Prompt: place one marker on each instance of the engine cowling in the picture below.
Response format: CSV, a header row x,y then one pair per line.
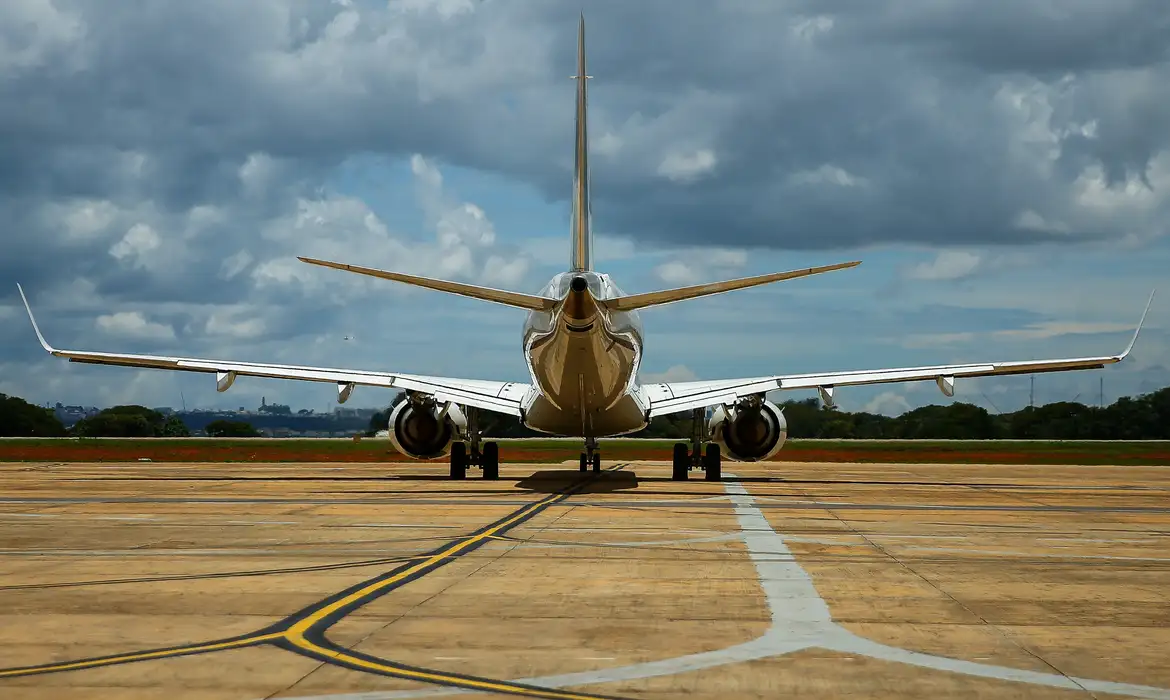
x,y
750,431
423,430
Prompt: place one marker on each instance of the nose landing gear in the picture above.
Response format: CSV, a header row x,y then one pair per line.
x,y
591,456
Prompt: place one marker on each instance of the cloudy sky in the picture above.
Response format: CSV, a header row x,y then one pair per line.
x,y
1002,169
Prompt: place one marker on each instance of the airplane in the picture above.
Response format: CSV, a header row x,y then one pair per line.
x,y
583,346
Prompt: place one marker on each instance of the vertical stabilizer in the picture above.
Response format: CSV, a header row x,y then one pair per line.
x,y
582,231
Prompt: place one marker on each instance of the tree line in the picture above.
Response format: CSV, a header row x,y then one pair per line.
x,y
19,418
1146,417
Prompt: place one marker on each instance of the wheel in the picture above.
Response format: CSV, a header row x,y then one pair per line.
x,y
490,460
596,461
584,462
458,460
682,462
712,463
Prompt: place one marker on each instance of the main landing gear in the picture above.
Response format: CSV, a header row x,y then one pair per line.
x,y
591,456
464,455
710,461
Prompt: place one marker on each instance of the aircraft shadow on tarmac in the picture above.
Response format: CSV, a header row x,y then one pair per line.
x,y
558,480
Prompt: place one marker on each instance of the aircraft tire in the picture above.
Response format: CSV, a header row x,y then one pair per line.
x,y
681,462
458,461
490,460
584,462
712,463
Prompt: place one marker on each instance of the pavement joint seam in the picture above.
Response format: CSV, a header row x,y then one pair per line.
x,y
304,632
800,620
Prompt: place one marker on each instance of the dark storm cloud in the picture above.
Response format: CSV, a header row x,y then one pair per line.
x,y
1048,38
828,124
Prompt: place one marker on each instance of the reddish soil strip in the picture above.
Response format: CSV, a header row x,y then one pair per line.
x,y
379,451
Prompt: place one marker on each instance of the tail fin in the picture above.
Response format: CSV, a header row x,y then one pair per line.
x,y
580,226
515,299
668,296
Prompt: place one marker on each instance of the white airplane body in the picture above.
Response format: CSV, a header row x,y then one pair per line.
x,y
583,346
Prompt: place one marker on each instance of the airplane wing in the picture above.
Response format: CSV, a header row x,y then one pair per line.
x,y
675,397
501,397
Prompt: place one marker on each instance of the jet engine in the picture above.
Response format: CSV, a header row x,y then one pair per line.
x,y
424,429
751,430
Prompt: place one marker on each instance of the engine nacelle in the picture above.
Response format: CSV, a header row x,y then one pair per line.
x,y
752,430
425,429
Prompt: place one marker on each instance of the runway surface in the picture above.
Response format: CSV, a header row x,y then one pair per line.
x,y
377,581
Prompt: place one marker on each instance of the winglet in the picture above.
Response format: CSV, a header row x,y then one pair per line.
x,y
1139,326
40,337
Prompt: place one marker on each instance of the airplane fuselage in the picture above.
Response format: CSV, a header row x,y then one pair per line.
x,y
583,359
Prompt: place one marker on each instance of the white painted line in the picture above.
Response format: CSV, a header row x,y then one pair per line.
x,y
800,620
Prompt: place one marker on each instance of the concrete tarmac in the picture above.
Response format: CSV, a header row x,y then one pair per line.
x,y
380,581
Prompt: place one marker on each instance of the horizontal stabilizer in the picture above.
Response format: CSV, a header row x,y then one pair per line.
x,y
668,296
499,296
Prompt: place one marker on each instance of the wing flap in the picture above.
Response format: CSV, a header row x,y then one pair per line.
x,y
681,396
501,397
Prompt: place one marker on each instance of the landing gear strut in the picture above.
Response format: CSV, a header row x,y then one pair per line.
x,y
486,456
591,456
710,462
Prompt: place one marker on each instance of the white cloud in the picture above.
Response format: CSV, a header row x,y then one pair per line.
x,y
725,257
1026,106
677,272
888,403
1092,191
235,264
343,228
947,265
935,340
675,373
286,270
685,167
607,145
132,324
809,27
827,174
257,173
695,265
32,31
1029,220
502,272
225,323
1052,329
444,8
135,246
84,218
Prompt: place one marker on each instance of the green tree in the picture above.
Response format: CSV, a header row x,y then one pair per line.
x,y
19,418
958,421
806,419
231,429
130,421
173,426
